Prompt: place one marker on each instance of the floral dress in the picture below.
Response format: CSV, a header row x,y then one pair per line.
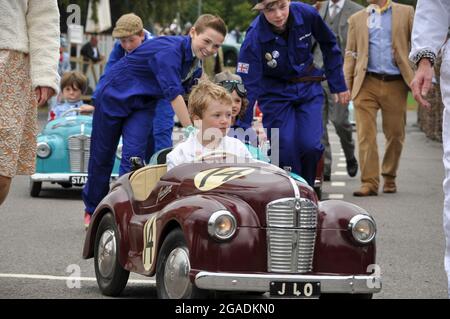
x,y
18,115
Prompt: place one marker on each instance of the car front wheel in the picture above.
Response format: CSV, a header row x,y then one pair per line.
x,y
111,277
172,270
35,188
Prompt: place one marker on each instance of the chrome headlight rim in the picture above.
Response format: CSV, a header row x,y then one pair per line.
x,y
212,225
352,228
119,151
43,150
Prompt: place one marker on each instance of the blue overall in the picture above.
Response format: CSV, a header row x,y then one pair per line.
x,y
163,123
269,66
125,103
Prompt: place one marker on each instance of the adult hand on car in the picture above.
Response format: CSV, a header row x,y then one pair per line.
x,y
43,93
422,82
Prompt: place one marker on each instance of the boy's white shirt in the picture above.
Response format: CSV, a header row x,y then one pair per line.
x,y
191,149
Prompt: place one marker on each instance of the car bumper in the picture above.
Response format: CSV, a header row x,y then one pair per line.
x,y
61,177
351,284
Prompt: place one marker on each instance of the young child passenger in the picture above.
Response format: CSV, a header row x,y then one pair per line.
x,y
210,108
127,95
73,84
233,84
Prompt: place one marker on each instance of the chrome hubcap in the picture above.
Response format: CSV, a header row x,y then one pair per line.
x,y
107,253
176,274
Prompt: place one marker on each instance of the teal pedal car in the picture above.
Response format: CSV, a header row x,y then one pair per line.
x,y
63,149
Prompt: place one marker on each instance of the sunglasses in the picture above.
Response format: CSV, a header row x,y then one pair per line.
x,y
232,85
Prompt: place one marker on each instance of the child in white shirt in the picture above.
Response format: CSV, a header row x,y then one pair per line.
x,y
210,108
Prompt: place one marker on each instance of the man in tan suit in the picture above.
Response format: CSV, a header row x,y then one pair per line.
x,y
377,71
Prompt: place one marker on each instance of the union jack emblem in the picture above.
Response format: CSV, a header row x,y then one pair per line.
x,y
242,67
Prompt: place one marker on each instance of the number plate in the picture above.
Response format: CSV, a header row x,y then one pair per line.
x,y
78,180
295,289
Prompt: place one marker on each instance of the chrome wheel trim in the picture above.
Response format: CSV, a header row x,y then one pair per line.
x,y
176,274
107,253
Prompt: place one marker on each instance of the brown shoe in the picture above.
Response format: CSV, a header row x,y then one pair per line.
x,y
389,187
365,191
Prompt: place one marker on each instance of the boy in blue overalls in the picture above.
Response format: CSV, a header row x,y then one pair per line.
x,y
130,32
276,65
127,94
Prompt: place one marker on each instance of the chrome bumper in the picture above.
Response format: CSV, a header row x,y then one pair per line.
x,y
60,177
363,284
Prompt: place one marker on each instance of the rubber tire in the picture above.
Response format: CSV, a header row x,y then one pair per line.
x,y
318,191
174,240
110,286
35,188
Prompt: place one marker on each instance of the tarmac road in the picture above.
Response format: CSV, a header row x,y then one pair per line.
x,y
42,238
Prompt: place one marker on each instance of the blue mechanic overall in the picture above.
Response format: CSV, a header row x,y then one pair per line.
x,y
126,98
161,135
278,72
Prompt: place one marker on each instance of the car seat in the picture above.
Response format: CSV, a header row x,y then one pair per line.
x,y
145,179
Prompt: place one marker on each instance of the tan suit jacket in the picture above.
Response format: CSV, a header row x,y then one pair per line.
x,y
357,50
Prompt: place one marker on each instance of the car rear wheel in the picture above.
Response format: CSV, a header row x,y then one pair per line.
x,y
35,188
172,270
111,277
318,190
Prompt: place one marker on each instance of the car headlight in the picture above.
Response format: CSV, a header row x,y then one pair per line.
x,y
222,225
119,151
363,228
43,150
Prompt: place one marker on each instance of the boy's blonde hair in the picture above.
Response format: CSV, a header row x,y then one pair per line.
x,y
206,21
203,94
74,79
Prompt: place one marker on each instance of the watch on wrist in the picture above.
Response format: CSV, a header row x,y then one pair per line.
x,y
424,54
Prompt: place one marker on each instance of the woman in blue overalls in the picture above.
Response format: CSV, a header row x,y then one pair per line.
x,y
276,65
126,97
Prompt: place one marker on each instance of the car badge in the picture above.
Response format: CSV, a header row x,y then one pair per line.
x,y
276,54
213,178
268,56
272,64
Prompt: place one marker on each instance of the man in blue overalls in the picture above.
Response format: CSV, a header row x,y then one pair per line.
x,y
163,68
130,32
276,65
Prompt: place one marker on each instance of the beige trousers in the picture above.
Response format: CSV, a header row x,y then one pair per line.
x,y
390,97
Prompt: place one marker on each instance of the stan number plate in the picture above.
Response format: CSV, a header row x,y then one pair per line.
x,y
78,180
294,289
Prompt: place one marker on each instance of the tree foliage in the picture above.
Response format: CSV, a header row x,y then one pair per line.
x,y
236,13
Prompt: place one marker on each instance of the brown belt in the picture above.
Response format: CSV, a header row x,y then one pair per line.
x,y
308,78
385,77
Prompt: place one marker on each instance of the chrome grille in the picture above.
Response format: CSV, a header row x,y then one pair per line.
x,y
291,234
79,146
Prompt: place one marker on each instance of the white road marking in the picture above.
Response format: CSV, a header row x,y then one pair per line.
x,y
339,173
336,196
338,184
342,159
341,165
50,277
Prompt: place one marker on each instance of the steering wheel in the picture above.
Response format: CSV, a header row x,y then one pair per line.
x,y
77,110
216,155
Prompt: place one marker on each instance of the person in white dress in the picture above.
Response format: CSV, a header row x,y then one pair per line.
x,y
210,108
429,37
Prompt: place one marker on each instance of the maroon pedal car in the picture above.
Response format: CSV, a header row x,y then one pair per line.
x,y
220,226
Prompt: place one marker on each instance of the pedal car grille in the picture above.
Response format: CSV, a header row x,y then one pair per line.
x,y
79,146
291,234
